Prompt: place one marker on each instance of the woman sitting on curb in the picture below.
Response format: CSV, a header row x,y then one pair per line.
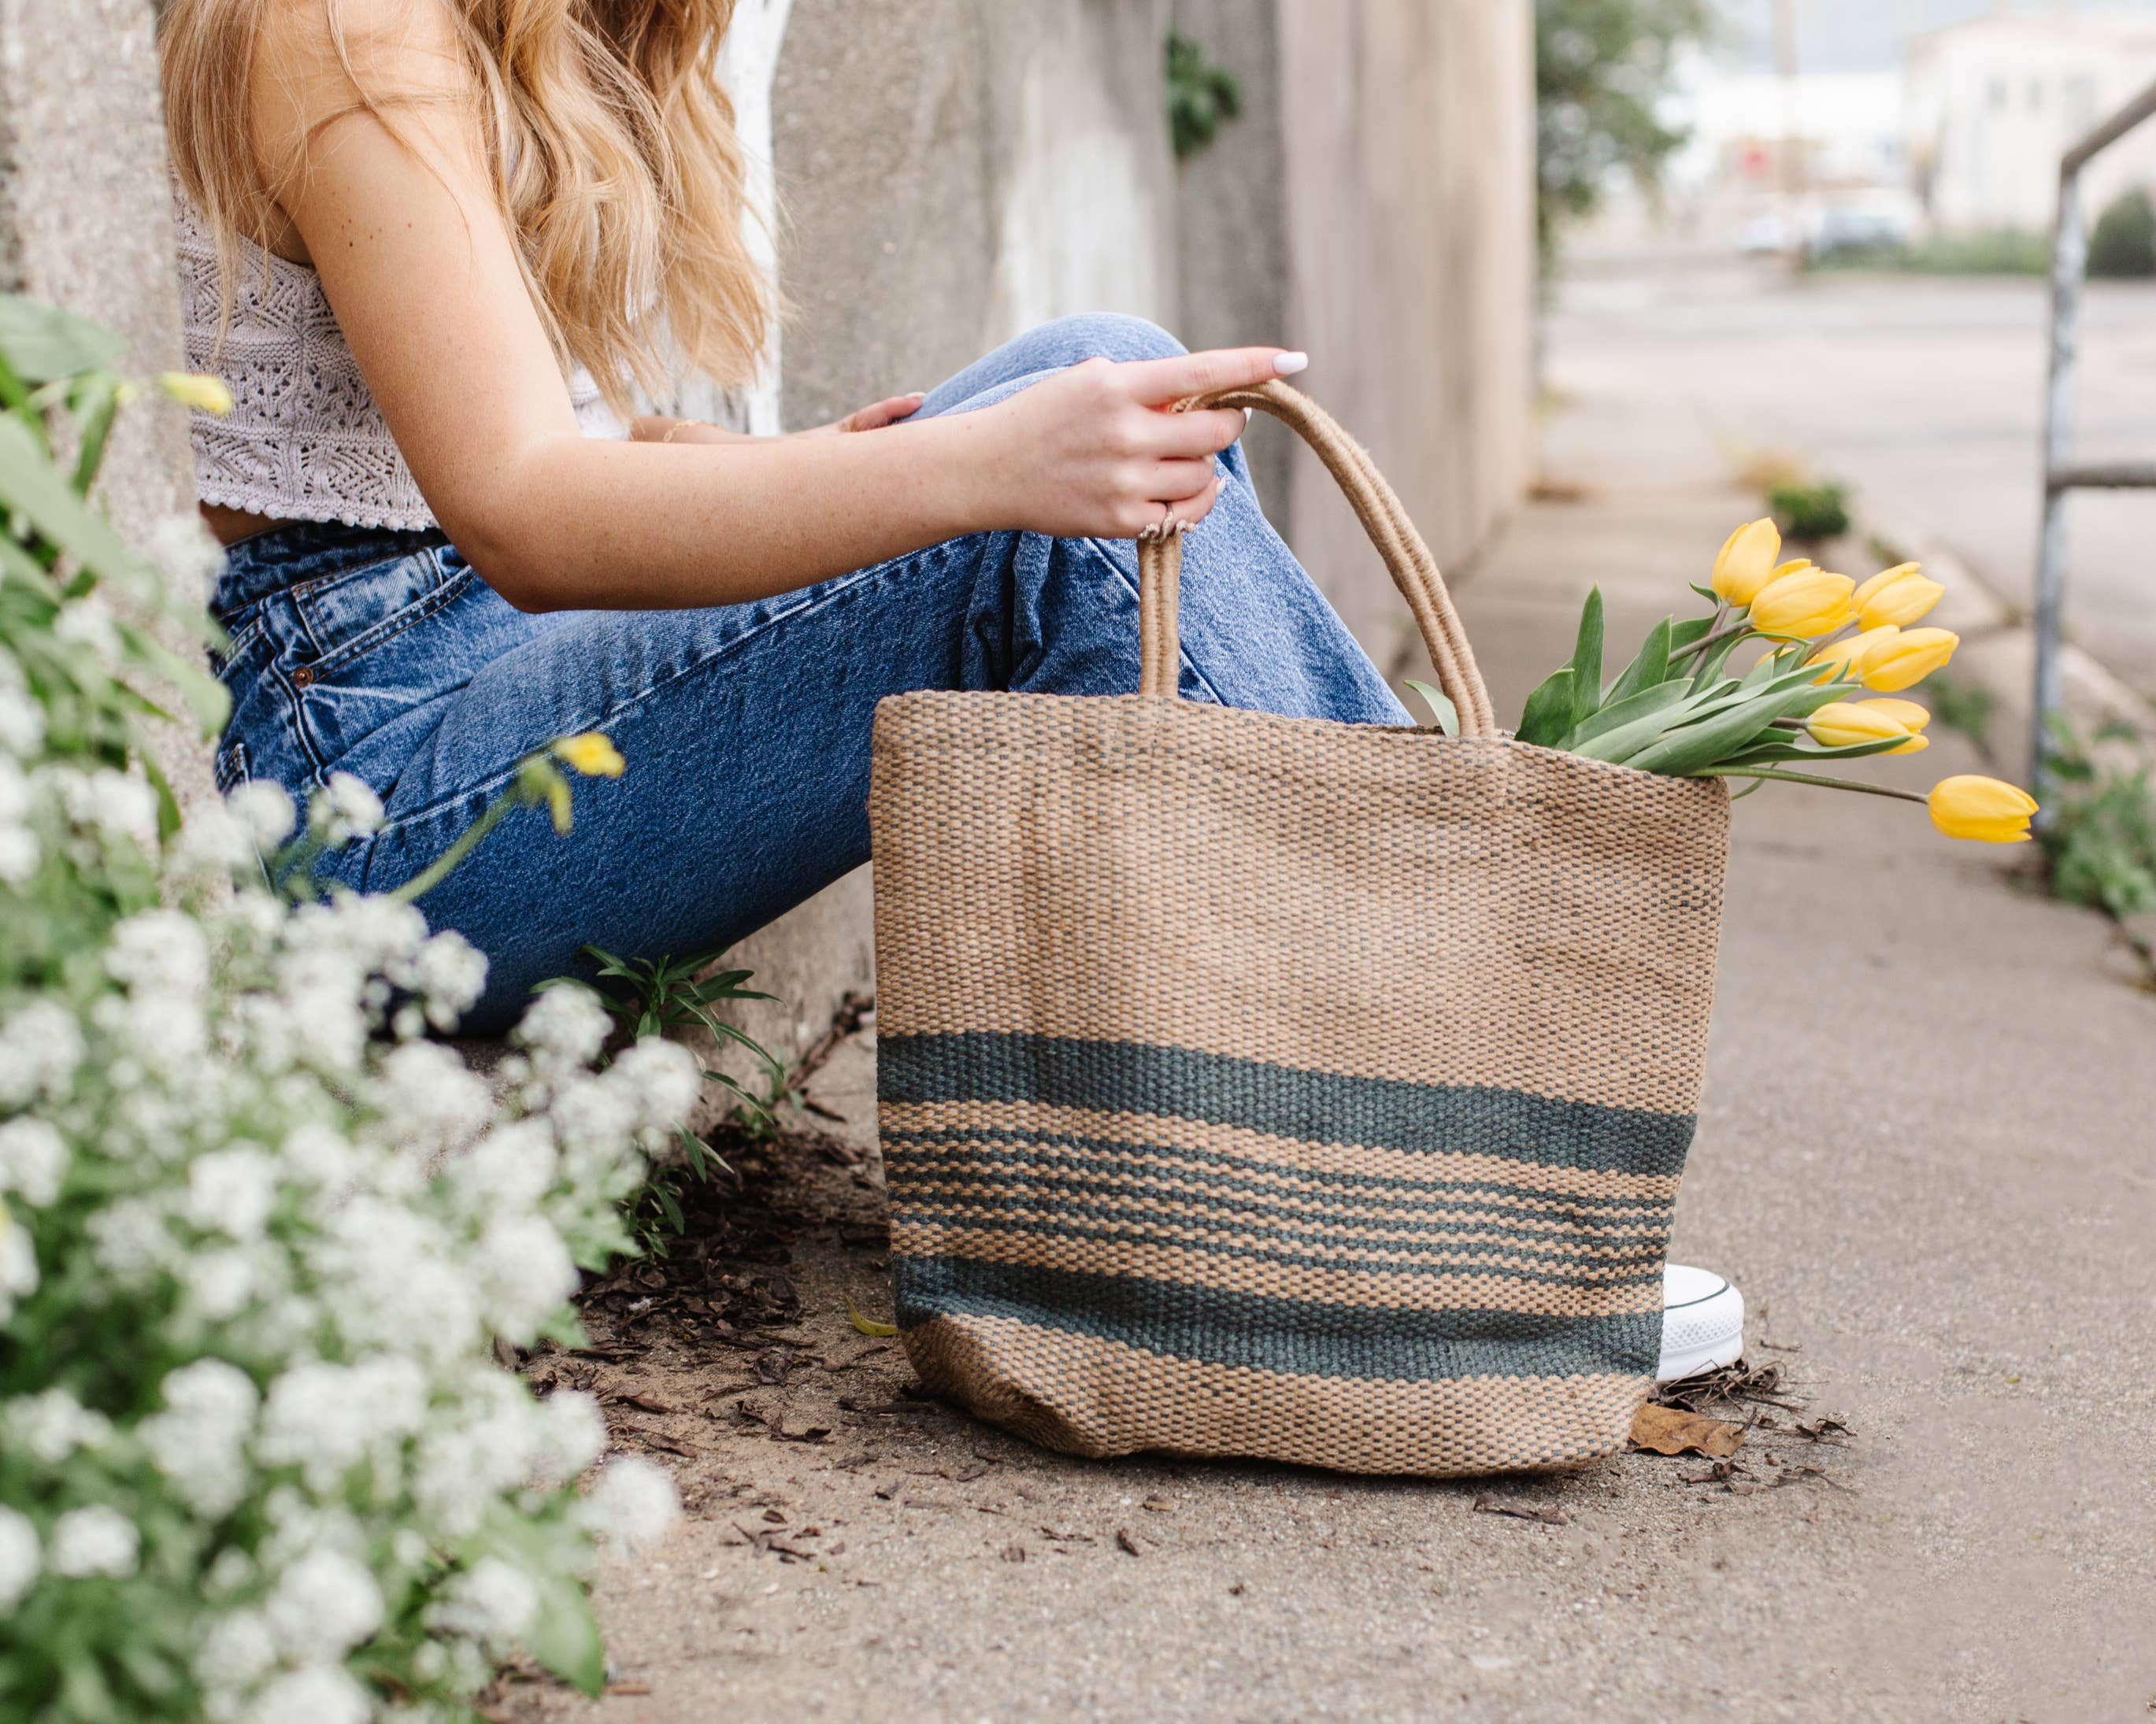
x,y
431,245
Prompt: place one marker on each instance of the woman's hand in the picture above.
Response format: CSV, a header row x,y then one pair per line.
x,y
1099,452
888,412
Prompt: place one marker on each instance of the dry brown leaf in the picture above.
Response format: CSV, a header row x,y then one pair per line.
x,y
1667,1430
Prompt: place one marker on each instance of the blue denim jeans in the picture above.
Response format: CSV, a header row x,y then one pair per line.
x,y
746,726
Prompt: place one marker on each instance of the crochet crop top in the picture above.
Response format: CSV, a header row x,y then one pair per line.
x,y
303,440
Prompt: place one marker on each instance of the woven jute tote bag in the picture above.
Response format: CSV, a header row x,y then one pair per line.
x,y
1270,1087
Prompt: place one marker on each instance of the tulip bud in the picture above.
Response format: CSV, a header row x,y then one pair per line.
x,y
592,753
1912,655
1847,660
1747,561
1982,809
192,389
1900,596
1804,604
1842,724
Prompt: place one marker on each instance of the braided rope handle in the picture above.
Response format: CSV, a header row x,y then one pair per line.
x,y
1407,559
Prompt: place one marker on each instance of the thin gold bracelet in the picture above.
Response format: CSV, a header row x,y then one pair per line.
x,y
676,429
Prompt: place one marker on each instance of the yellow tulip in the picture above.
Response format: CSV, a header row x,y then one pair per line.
x,y
592,754
1847,660
1982,809
1900,596
1907,714
1842,724
1747,561
1912,655
193,389
1809,602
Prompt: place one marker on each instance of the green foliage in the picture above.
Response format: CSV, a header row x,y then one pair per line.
x,y
2099,842
1810,512
256,1457
666,997
1200,95
1675,709
1601,66
2123,245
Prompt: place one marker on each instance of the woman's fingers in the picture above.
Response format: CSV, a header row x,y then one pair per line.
x,y
1188,511
887,412
1176,481
1204,431
1161,382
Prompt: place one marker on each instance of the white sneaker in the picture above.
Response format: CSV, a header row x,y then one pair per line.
x,y
1702,1323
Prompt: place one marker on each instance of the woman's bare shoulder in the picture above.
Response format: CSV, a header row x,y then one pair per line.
x,y
317,61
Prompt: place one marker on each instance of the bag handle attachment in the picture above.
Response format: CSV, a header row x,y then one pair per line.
x,y
1406,557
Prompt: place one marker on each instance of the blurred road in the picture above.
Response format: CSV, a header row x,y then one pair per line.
x,y
1925,392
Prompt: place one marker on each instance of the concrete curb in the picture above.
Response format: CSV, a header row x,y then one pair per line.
x,y
1999,650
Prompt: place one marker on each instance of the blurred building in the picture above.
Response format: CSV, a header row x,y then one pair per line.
x,y
1994,103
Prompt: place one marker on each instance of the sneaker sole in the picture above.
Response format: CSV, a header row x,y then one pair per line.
x,y
1703,1335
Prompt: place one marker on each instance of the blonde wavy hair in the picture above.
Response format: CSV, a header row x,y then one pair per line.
x,y
614,157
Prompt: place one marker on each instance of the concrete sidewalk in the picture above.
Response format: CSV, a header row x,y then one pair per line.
x,y
1925,1153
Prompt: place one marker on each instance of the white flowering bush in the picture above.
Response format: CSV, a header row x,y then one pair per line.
x,y
258,1233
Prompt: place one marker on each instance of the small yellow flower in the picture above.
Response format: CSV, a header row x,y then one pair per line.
x,y
1841,724
592,753
1747,561
1901,595
1905,661
558,805
1982,809
1847,660
1907,714
1807,603
194,389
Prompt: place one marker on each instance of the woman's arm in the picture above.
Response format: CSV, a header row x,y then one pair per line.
x,y
424,277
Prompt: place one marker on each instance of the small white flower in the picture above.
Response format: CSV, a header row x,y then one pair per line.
x,y
129,1240
88,622
19,1557
159,952
264,811
93,1540
22,722
236,1653
507,1172
218,1284
231,1192
182,550
40,1047
320,1694
19,855
569,1434
448,973
199,1440
355,810
634,1505
229,1570
323,1605
50,1426
213,845
18,1265
567,1025
32,1157
113,804
429,1099
494,1602
526,1275
327,1419
663,1078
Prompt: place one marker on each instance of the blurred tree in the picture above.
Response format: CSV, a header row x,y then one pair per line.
x,y
2124,242
1600,67
1200,94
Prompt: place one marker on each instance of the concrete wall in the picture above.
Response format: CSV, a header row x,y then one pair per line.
x,y
954,172
1407,233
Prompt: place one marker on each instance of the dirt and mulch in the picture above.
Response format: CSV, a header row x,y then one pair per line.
x,y
817,1475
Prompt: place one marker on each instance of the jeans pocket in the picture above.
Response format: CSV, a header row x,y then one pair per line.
x,y
345,616
231,768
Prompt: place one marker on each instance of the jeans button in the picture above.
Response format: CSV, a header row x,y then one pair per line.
x,y
304,677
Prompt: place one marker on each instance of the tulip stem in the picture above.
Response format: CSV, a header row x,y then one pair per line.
x,y
1809,778
1714,637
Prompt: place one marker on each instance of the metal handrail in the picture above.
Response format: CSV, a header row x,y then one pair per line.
x,y
2062,474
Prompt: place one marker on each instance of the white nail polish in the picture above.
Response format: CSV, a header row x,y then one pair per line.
x,y
1287,365
1247,412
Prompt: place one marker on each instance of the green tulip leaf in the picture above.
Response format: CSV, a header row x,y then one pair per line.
x,y
1690,630
1587,660
1440,705
1650,667
564,1636
1549,717
1711,740
1630,723
43,343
